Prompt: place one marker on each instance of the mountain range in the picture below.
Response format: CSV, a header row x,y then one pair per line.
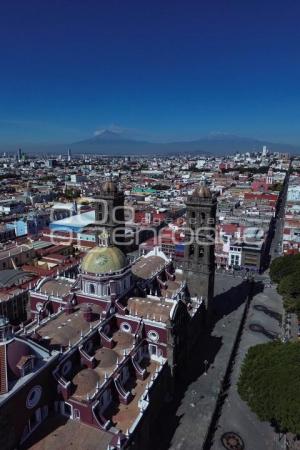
x,y
112,143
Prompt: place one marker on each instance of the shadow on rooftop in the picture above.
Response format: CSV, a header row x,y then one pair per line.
x,y
51,424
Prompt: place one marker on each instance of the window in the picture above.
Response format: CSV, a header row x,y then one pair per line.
x,y
88,346
125,327
33,397
66,368
76,414
153,335
200,252
92,289
152,349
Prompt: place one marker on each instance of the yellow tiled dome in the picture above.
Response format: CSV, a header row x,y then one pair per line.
x,y
103,260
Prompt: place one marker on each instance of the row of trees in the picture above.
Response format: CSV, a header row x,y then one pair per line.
x,y
285,271
270,375
270,383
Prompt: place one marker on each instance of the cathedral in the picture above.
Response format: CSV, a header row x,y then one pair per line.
x,y
104,350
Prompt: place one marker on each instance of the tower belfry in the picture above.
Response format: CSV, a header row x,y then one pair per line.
x,y
199,252
109,214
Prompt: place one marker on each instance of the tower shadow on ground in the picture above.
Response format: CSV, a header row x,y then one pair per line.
x,y
206,349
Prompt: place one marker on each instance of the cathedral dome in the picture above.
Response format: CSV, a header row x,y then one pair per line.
x,y
202,192
104,260
109,187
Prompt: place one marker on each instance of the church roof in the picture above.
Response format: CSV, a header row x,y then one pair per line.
x,y
104,260
11,277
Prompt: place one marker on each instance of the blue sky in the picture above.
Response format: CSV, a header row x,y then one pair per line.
x,y
159,70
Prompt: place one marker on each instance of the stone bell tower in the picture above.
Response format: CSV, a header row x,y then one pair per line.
x,y
109,215
199,253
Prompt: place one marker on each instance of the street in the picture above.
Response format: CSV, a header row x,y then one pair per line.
x,y
211,406
263,324
276,245
197,405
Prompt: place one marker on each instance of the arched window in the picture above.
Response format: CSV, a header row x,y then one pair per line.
x,y
92,289
100,212
200,252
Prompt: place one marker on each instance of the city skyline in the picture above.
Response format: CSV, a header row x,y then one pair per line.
x,y
159,72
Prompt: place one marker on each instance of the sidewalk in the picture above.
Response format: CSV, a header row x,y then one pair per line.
x,y
265,311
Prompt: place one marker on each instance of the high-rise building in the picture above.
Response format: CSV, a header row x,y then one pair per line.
x,y
264,151
69,154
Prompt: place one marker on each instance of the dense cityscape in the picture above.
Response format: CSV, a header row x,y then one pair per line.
x,y
149,225
115,274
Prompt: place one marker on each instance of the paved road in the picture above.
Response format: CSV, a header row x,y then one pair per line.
x,y
193,416
195,409
276,246
265,313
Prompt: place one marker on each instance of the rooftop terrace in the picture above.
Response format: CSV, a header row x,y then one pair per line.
x,y
57,432
67,328
150,307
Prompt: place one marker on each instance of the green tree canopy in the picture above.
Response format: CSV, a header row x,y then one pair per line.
x,y
290,285
284,265
276,187
270,383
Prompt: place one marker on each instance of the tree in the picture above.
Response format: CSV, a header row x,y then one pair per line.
x,y
284,265
285,270
270,383
276,187
289,285
292,305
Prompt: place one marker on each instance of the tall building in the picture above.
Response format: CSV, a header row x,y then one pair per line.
x,y
264,151
270,178
69,154
199,258
109,214
19,154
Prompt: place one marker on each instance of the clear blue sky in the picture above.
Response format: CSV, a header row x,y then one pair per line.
x,y
160,69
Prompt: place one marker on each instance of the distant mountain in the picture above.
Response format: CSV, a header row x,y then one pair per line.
x,y
105,135
111,143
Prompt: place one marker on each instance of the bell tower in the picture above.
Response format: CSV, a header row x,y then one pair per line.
x,y
199,251
109,215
